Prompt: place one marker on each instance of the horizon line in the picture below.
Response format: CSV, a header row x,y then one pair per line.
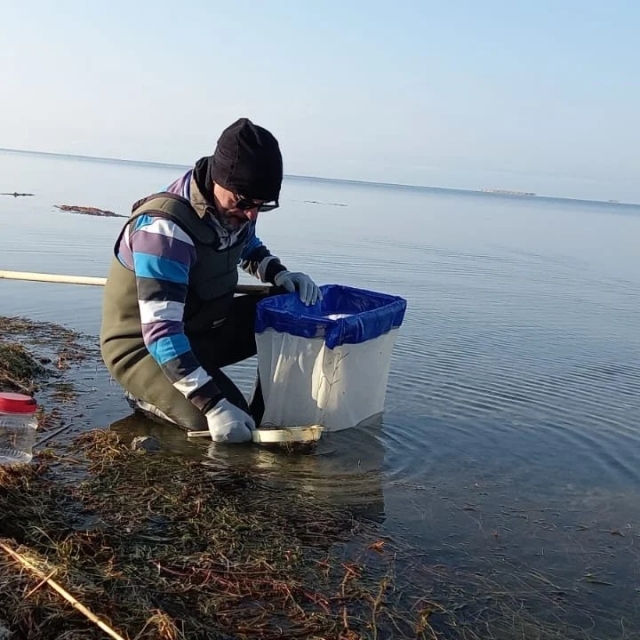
x,y
484,191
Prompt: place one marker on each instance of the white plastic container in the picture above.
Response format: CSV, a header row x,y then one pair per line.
x,y
327,364
18,425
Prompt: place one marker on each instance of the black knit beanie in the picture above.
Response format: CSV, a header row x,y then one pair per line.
x,y
247,161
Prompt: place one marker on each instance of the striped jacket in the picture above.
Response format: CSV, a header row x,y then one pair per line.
x,y
161,255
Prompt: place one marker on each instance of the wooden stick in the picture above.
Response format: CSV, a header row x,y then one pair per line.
x,y
96,281
43,581
51,277
48,436
65,594
253,288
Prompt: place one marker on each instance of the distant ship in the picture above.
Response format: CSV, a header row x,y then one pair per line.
x,y
509,193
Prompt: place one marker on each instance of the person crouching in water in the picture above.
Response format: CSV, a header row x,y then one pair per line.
x,y
170,320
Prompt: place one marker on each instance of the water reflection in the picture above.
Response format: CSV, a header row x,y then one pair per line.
x,y
344,468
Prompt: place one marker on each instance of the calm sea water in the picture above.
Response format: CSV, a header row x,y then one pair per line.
x,y
511,436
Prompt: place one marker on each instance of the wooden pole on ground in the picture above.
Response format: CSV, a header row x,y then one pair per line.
x,y
63,592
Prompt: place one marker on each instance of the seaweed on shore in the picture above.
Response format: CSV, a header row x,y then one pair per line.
x,y
28,346
162,548
165,549
34,356
19,371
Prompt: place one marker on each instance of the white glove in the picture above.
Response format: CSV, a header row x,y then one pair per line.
x,y
308,289
228,423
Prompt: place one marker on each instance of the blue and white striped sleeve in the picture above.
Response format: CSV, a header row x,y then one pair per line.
x,y
257,260
161,255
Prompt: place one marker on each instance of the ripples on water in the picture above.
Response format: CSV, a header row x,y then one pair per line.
x,y
510,434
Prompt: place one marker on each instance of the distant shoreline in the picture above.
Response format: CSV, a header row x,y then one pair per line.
x,y
508,192
504,193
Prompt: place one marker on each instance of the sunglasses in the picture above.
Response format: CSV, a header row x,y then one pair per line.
x,y
246,203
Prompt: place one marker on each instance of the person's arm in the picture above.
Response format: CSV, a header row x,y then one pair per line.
x,y
162,255
257,260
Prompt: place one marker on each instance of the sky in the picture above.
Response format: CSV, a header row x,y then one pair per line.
x,y
537,96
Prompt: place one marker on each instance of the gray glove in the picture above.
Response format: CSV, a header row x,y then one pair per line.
x,y
301,282
228,423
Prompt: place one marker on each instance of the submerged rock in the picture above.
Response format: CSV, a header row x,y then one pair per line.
x,y
89,211
146,443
